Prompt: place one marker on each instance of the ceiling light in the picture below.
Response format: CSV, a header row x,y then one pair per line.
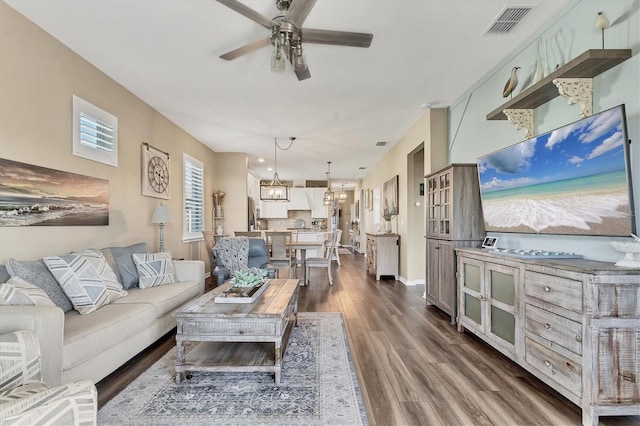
x,y
342,196
276,190
328,194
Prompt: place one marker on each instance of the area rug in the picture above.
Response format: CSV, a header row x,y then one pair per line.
x,y
319,387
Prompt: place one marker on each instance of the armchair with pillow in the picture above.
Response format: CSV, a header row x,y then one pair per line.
x,y
26,399
235,254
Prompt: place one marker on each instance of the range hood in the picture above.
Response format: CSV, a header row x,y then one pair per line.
x,y
298,200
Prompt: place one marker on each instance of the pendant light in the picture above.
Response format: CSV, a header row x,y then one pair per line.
x,y
328,194
342,196
276,190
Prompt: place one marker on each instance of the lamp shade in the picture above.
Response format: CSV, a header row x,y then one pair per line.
x,y
161,214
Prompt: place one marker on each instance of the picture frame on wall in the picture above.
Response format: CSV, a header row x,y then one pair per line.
x,y
39,196
156,169
390,196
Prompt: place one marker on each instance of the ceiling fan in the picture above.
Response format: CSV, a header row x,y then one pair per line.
x,y
286,35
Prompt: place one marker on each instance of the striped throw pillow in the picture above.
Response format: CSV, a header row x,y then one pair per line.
x,y
17,291
154,269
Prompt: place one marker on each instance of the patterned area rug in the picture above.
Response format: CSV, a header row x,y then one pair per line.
x,y
319,387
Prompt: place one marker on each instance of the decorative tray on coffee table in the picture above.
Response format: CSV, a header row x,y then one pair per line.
x,y
242,294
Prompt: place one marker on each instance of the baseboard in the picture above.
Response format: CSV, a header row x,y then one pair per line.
x,y
410,283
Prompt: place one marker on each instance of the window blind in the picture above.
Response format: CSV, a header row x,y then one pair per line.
x,y
193,198
95,133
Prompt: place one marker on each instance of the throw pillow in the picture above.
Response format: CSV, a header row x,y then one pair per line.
x,y
126,267
17,291
4,274
154,269
36,272
111,261
86,279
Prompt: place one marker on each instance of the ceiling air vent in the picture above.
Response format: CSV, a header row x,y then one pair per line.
x,y
381,143
507,19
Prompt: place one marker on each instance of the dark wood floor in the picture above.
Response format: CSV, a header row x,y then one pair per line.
x,y
414,368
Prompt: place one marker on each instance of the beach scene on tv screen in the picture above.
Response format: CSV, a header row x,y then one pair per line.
x,y
572,180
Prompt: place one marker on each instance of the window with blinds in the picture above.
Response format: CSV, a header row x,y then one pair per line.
x,y
193,198
95,133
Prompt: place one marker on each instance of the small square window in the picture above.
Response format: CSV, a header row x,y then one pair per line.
x,y
95,133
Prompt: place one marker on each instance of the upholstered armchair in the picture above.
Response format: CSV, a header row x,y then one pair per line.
x,y
235,254
26,400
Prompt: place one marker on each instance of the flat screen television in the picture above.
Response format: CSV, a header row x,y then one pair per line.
x,y
574,180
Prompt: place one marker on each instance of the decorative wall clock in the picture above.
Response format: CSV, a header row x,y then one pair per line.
x,y
155,172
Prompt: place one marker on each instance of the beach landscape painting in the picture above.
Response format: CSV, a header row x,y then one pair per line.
x,y
574,180
37,196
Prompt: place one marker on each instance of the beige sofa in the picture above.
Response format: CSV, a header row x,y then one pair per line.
x,y
92,346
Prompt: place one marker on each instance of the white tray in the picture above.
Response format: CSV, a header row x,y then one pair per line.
x,y
223,299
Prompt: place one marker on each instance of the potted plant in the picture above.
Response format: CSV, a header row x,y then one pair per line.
x,y
246,283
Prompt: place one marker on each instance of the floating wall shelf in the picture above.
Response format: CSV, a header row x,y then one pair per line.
x,y
591,63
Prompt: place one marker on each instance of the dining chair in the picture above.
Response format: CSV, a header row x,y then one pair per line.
x,y
209,242
251,234
335,255
281,254
325,261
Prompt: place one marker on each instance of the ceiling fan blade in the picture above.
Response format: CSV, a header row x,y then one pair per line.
x,y
339,38
247,48
248,12
303,74
298,12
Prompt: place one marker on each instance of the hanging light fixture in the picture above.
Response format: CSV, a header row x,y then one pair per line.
x,y
328,194
276,190
342,196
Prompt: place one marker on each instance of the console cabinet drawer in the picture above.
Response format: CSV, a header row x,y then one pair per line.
x,y
555,290
557,367
555,328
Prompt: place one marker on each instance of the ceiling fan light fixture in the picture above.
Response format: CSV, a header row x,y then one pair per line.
x,y
298,61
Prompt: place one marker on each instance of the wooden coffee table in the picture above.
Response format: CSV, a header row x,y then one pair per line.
x,y
237,337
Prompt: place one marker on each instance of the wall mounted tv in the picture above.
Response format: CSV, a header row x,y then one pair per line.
x,y
574,180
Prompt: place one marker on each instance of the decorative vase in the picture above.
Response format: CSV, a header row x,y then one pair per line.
x,y
387,227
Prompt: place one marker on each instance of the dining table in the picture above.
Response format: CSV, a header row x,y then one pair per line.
x,y
303,246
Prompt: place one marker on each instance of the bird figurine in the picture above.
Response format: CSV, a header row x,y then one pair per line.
x,y
602,23
512,83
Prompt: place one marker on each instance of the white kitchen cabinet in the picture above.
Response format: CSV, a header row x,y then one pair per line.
x,y
315,196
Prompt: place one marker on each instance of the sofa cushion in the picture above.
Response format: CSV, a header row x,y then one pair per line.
x,y
37,273
126,268
164,298
85,336
17,291
86,279
154,269
4,274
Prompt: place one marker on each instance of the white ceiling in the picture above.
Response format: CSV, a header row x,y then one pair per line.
x,y
166,52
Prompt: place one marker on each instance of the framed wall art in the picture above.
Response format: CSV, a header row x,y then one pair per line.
x,y
390,196
155,172
38,196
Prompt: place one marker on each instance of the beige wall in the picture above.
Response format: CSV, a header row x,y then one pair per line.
x,y
38,76
431,130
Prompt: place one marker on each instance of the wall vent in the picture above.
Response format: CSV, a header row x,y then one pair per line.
x,y
507,19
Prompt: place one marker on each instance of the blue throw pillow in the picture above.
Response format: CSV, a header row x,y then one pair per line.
x,y
37,273
126,268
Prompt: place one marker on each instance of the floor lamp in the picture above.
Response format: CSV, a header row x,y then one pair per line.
x,y
161,215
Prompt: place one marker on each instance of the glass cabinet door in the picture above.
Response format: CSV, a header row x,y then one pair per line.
x,y
471,295
501,288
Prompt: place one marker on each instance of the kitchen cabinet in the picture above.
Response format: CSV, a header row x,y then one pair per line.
x,y
383,254
454,219
572,323
318,209
253,187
